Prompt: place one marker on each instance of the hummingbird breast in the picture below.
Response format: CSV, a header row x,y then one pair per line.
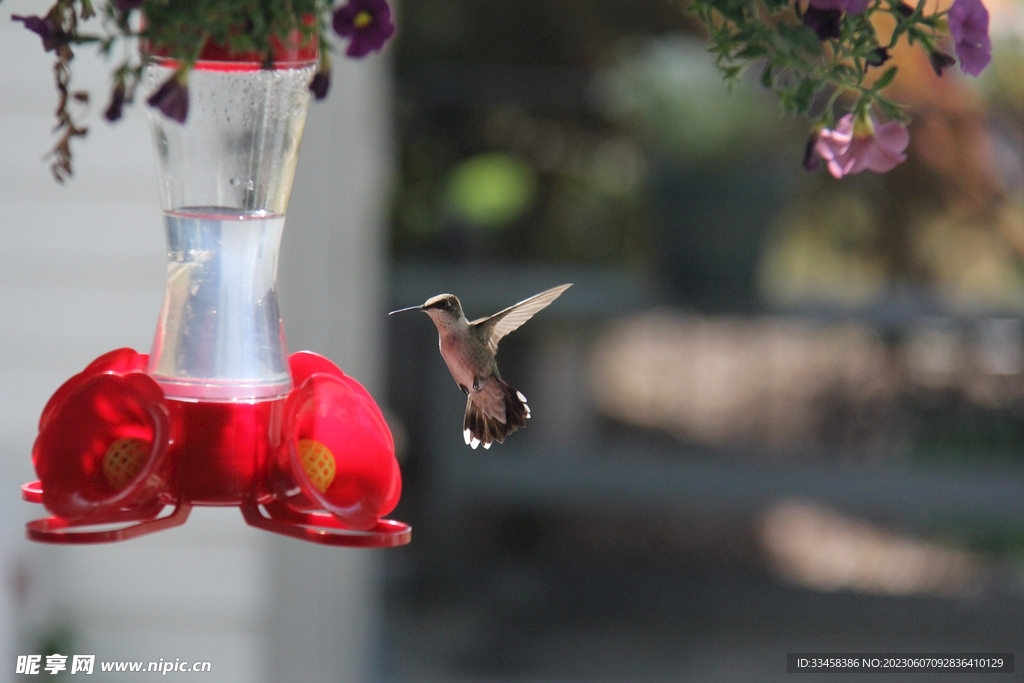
x,y
467,359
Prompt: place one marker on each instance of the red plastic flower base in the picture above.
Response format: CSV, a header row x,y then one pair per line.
x,y
114,454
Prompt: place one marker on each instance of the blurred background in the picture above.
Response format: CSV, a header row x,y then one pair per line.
x,y
776,412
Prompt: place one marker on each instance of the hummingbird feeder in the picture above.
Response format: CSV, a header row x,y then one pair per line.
x,y
218,413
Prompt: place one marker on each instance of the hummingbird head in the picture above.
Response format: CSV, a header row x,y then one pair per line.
x,y
444,309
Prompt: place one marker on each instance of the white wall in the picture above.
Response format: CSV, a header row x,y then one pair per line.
x,y
82,272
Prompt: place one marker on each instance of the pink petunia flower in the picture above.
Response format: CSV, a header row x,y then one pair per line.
x,y
862,146
968,24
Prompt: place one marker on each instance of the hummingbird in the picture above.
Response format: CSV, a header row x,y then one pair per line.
x,y
494,409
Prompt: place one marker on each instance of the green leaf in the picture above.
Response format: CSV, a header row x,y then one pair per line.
x,y
731,72
891,109
803,96
766,76
800,37
786,100
842,72
883,82
752,51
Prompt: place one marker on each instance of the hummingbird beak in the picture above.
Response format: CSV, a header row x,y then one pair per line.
x,y
403,310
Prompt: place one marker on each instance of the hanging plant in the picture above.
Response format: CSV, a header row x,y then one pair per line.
x,y
828,60
183,30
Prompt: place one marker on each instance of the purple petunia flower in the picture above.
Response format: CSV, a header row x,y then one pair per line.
x,y
824,22
968,24
811,161
320,84
367,23
116,107
861,146
42,27
126,6
940,61
847,6
878,57
172,98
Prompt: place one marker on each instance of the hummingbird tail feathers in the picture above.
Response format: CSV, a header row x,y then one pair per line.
x,y
481,428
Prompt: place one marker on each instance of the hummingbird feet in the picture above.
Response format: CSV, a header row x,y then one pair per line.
x,y
481,427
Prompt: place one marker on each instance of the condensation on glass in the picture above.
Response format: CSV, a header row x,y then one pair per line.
x,y
226,175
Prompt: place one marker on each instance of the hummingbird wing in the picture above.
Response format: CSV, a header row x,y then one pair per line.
x,y
490,330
